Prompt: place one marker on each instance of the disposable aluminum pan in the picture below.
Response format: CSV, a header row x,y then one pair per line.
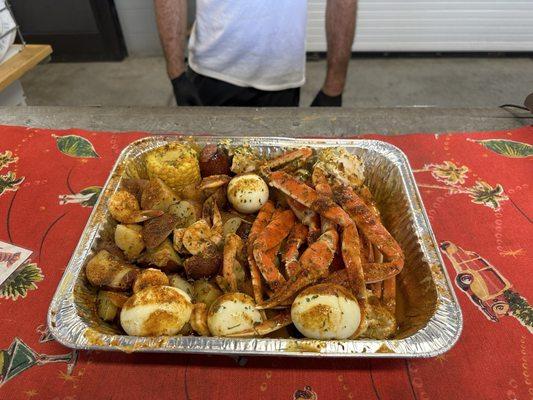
x,y
428,313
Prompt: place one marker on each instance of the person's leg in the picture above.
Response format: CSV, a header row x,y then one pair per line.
x,y
279,98
214,92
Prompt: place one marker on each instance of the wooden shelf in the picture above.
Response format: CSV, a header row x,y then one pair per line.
x,y
22,62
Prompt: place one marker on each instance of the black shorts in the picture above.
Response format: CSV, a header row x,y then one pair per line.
x,y
214,92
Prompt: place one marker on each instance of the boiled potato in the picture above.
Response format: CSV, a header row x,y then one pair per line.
x,y
106,270
326,311
157,196
129,239
156,310
192,192
231,313
149,277
247,193
108,304
205,292
163,257
178,282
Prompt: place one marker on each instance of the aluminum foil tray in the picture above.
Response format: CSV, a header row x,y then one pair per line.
x,y
428,313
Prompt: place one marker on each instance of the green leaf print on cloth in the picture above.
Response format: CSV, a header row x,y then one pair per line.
x,y
9,182
7,158
507,148
75,146
520,308
18,284
483,193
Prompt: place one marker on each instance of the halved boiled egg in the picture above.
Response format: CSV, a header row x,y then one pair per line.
x,y
156,310
326,311
231,313
247,193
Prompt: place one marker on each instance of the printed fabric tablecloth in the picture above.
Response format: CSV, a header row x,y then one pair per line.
x,y
477,190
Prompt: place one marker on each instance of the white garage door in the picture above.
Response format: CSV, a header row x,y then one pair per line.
x,y
433,25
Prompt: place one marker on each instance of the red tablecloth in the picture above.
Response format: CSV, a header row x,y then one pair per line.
x,y
477,192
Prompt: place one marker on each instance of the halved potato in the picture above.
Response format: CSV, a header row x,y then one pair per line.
x,y
163,257
128,238
181,283
106,270
149,277
205,292
193,193
109,303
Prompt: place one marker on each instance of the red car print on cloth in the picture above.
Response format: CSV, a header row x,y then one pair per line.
x,y
486,286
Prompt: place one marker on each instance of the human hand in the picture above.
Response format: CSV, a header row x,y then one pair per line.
x,y
185,92
323,100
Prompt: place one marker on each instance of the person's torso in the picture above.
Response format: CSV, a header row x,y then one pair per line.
x,y
257,43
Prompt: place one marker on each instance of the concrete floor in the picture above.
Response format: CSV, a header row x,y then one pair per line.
x,y
372,82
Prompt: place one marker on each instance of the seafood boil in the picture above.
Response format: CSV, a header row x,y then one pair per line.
x,y
219,241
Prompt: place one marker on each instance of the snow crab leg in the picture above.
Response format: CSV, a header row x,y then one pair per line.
x,y
307,217
323,188
292,155
351,254
261,221
232,248
290,255
376,233
340,277
314,264
309,197
388,296
375,255
271,236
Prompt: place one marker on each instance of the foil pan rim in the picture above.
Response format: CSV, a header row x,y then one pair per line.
x,y
439,335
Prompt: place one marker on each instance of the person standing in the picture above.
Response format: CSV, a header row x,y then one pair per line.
x,y
251,52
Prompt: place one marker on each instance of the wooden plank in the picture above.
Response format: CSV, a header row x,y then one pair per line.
x,y
19,64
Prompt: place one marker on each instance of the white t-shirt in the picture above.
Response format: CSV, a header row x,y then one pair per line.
x,y
250,43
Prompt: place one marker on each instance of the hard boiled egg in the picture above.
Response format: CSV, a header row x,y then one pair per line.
x,y
247,193
156,310
231,313
326,311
